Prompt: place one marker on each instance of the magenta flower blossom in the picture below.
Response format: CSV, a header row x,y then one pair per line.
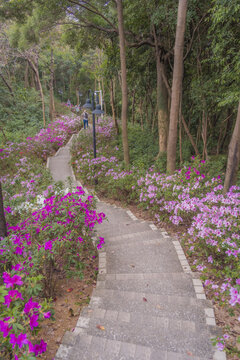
x,y
38,348
34,321
31,305
10,281
48,245
20,340
11,296
5,328
47,315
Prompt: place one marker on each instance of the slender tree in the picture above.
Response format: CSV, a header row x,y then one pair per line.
x,y
233,155
51,91
176,86
3,227
124,81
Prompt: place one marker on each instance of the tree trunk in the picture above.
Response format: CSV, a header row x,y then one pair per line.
x,y
112,100
26,81
35,69
103,97
77,95
7,85
141,113
124,82
133,107
233,155
51,105
190,136
162,100
176,86
3,226
204,135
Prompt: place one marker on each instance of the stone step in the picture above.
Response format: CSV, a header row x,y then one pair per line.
x,y
125,239
171,306
149,256
156,332
153,324
123,227
179,284
89,347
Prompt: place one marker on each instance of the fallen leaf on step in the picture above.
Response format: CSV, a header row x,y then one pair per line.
x,y
100,327
144,299
189,353
158,306
132,265
70,290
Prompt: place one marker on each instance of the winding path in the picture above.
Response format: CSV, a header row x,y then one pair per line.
x,y
147,304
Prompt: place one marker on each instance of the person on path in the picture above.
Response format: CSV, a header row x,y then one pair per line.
x,y
68,103
85,120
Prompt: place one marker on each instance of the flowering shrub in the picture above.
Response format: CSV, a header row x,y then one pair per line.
x,y
51,239
23,171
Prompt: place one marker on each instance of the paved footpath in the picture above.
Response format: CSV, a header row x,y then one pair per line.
x,y
147,304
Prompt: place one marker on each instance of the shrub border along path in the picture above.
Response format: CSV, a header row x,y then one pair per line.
x,y
92,337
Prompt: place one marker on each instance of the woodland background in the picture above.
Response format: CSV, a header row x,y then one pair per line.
x,y
52,51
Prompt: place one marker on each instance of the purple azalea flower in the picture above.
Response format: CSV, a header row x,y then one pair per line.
x,y
20,340
38,348
5,328
11,296
10,281
34,321
31,305
48,245
47,315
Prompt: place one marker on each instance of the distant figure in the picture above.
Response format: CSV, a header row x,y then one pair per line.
x,y
77,109
85,120
68,103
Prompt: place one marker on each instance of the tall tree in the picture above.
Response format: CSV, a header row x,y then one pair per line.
x,y
124,81
233,155
3,227
176,86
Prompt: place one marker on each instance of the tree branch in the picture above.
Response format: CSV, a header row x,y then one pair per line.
x,y
93,10
192,38
7,84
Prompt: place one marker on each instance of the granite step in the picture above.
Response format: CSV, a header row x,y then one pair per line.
x,y
179,284
151,256
90,347
159,333
171,306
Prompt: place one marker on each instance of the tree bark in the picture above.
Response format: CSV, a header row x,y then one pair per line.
x,y
103,96
233,156
112,100
177,86
3,226
124,82
133,106
77,96
26,81
51,105
204,135
35,69
190,136
162,101
7,85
